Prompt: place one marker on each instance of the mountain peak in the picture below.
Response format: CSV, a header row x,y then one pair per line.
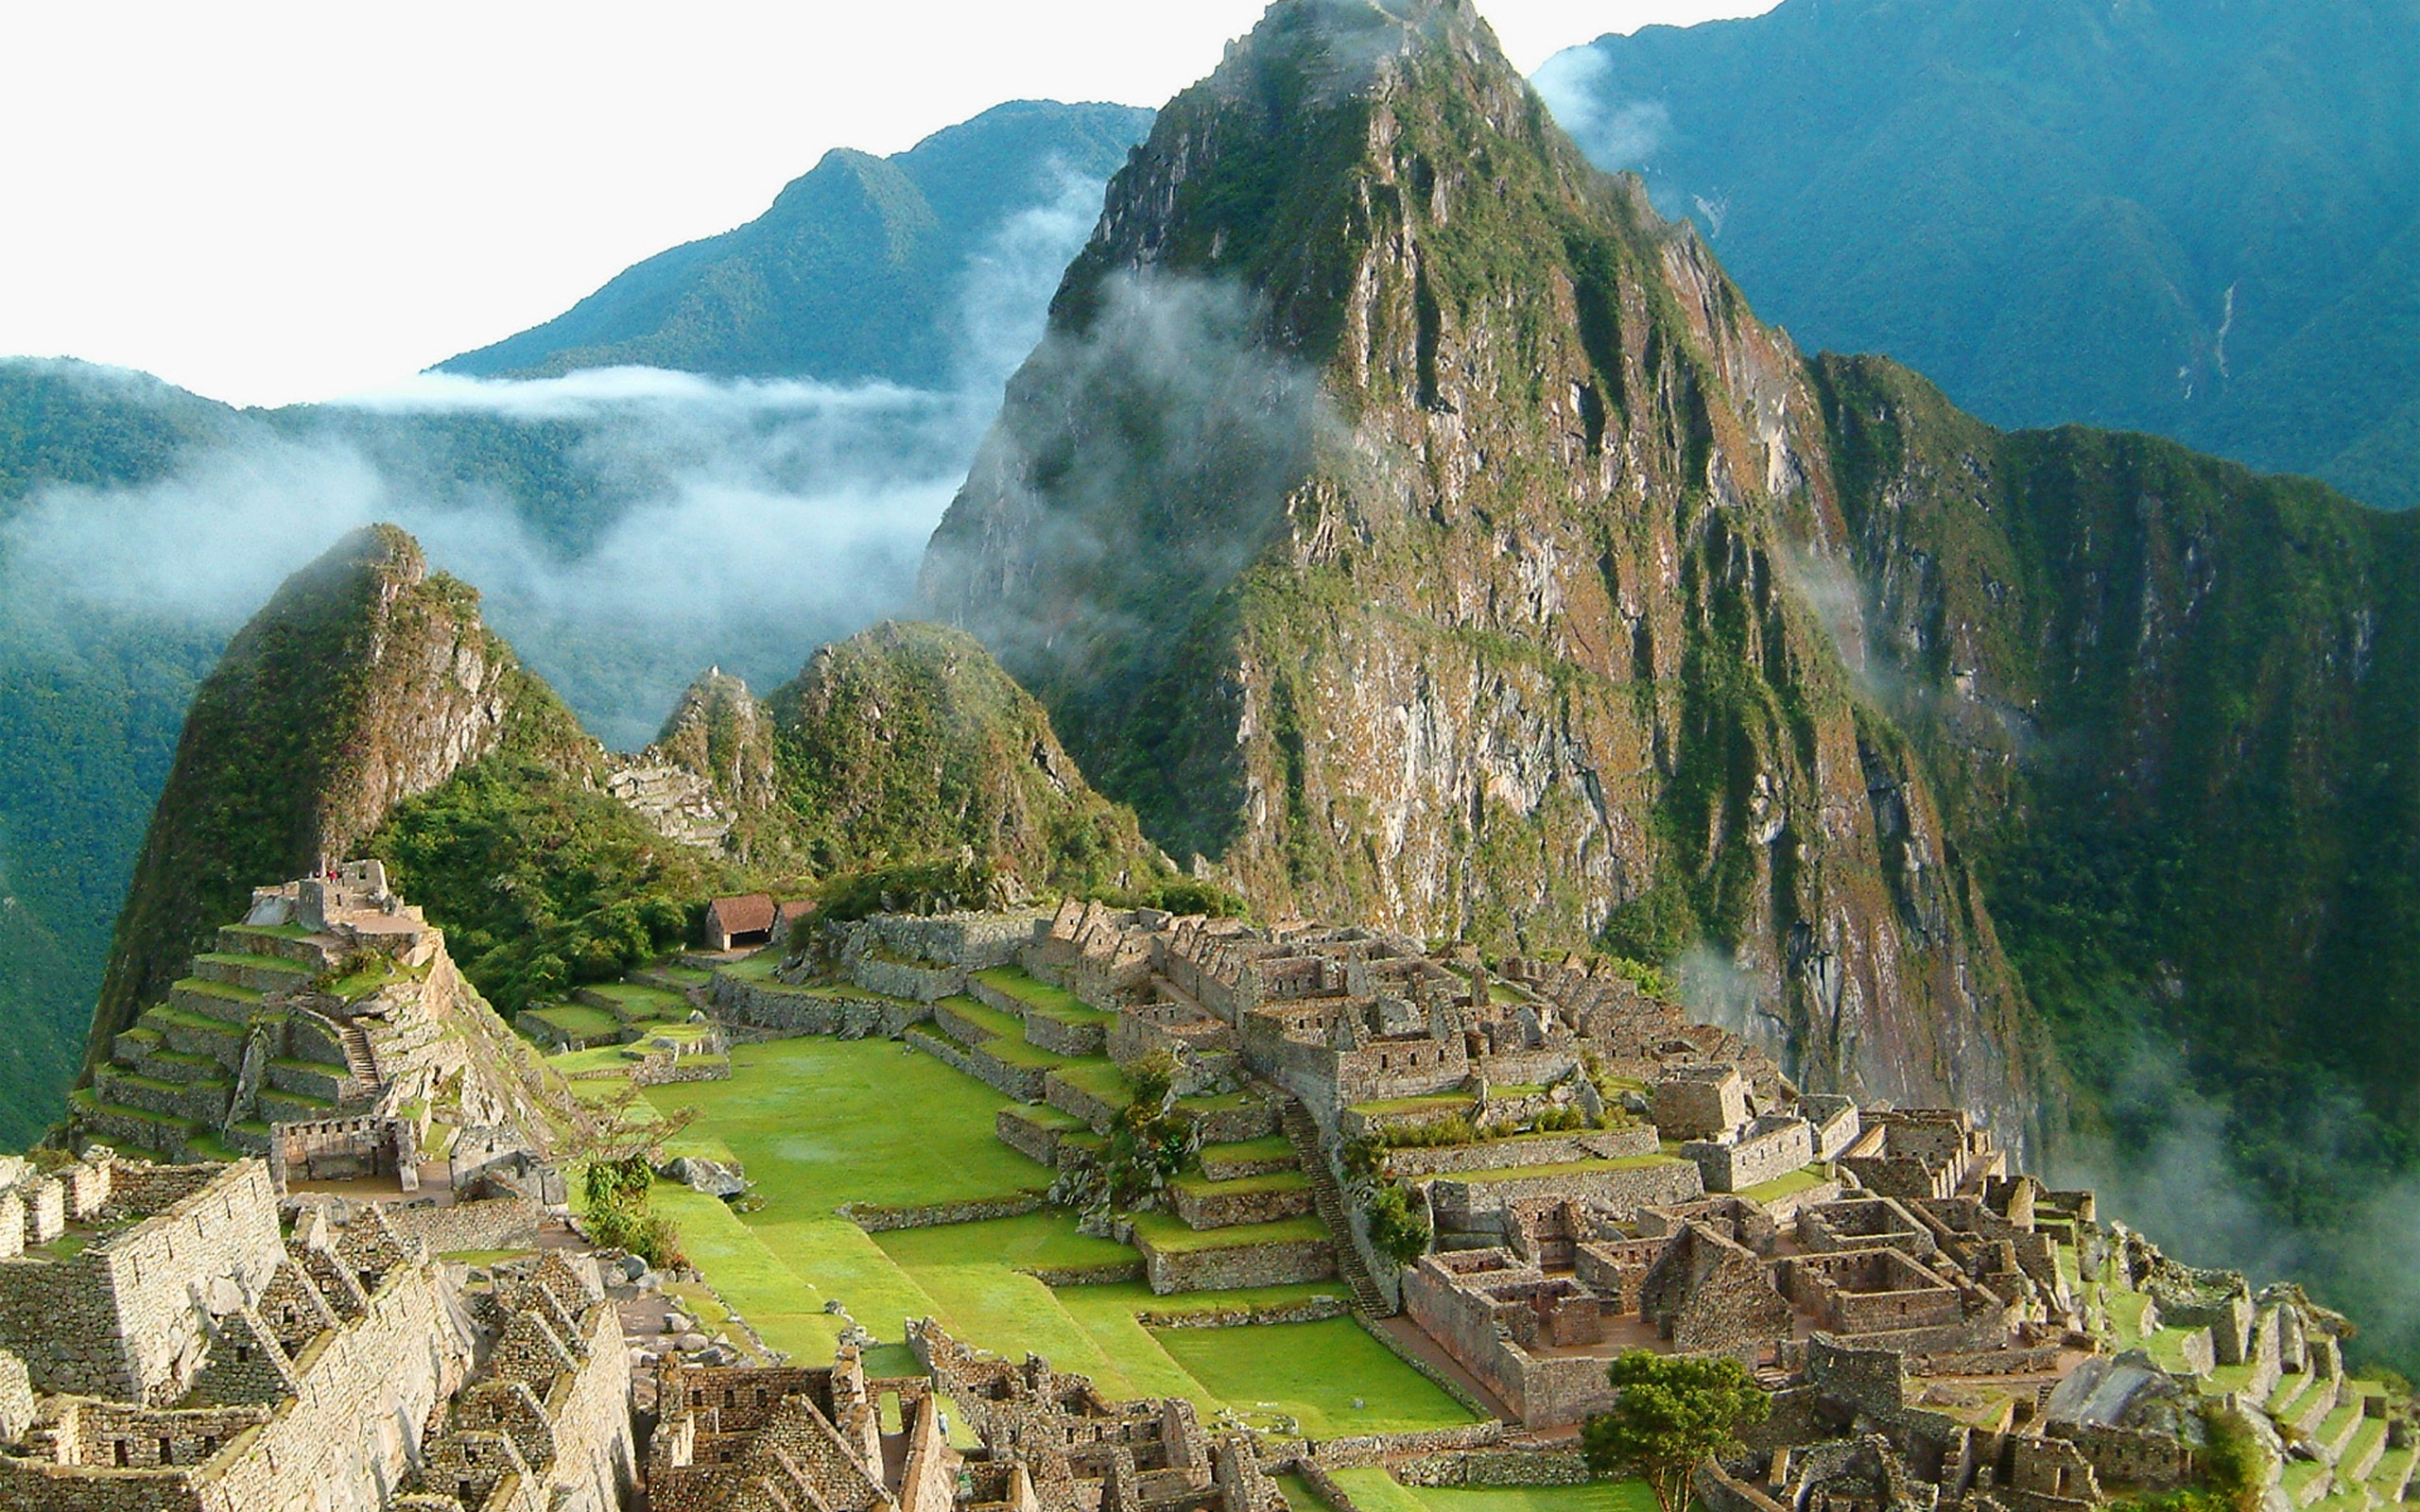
x,y
1346,48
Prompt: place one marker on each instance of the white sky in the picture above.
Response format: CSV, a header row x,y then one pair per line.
x,y
272,200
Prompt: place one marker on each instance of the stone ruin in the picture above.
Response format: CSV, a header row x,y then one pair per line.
x,y
171,1347
1600,1175
326,1033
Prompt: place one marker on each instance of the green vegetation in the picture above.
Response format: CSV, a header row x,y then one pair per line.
x,y
1397,1228
1671,1414
616,1209
541,883
1327,1367
908,743
1374,1490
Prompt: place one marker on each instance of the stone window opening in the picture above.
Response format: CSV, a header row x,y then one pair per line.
x,y
466,1492
167,1452
123,1456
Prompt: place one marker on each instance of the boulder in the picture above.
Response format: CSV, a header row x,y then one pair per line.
x,y
712,1178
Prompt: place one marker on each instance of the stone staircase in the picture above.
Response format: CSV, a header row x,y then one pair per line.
x,y
1327,1200
360,1061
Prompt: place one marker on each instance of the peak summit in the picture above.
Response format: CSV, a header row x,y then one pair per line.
x,y
1348,48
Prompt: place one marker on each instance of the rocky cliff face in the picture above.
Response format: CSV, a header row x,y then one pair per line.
x,y
363,682
1407,520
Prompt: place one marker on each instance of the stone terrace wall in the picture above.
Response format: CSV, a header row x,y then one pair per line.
x,y
1220,1270
974,942
1493,1155
794,1010
497,1222
115,1321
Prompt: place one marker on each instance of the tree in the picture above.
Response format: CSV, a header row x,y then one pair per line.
x,y
1671,1412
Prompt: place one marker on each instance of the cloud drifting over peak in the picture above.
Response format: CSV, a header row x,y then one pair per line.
x,y
627,527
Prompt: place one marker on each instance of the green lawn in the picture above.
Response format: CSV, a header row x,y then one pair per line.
x,y
1785,1186
821,1122
1051,1001
1517,1173
1431,1103
644,1002
824,1122
1315,1372
984,1017
580,1021
1168,1233
1201,1186
1038,1240
1267,1147
1374,1490
1101,1078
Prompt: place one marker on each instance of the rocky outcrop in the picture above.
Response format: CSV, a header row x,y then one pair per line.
x,y
909,742
709,780
364,682
1406,519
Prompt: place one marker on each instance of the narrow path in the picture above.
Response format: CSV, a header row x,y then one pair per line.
x,y
1328,1199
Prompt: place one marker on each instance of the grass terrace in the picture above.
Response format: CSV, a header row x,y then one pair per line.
x,y
1101,1078
1041,997
820,1123
1788,1186
1374,1490
579,1020
1428,1103
1517,1173
1168,1233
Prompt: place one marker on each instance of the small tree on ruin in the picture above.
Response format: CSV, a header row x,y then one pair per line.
x,y
1671,1414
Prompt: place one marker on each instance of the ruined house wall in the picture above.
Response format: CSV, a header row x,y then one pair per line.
x,y
1764,1155
366,1391
596,1447
1477,1206
119,1320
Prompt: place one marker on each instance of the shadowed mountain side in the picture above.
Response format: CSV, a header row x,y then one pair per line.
x,y
2198,219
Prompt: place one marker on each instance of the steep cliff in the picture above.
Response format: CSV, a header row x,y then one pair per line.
x,y
1402,515
2168,704
363,682
908,744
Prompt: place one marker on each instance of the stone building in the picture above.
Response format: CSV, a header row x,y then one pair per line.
x,y
177,1352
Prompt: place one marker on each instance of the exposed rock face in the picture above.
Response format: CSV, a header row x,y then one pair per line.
x,y
710,772
362,683
1403,516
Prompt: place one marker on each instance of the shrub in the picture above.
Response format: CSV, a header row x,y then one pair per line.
x,y
1397,1228
1453,1129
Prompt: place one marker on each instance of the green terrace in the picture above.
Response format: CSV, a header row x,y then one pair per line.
x,y
578,1020
1167,1232
1202,1185
632,1004
820,1123
1789,1185
1518,1173
1429,1103
1041,997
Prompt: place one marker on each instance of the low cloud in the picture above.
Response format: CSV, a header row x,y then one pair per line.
x,y
627,527
1617,134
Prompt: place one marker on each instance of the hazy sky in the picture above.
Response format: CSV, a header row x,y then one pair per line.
x,y
271,201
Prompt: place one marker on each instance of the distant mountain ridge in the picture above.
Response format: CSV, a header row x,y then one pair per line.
x,y
846,276
2192,218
